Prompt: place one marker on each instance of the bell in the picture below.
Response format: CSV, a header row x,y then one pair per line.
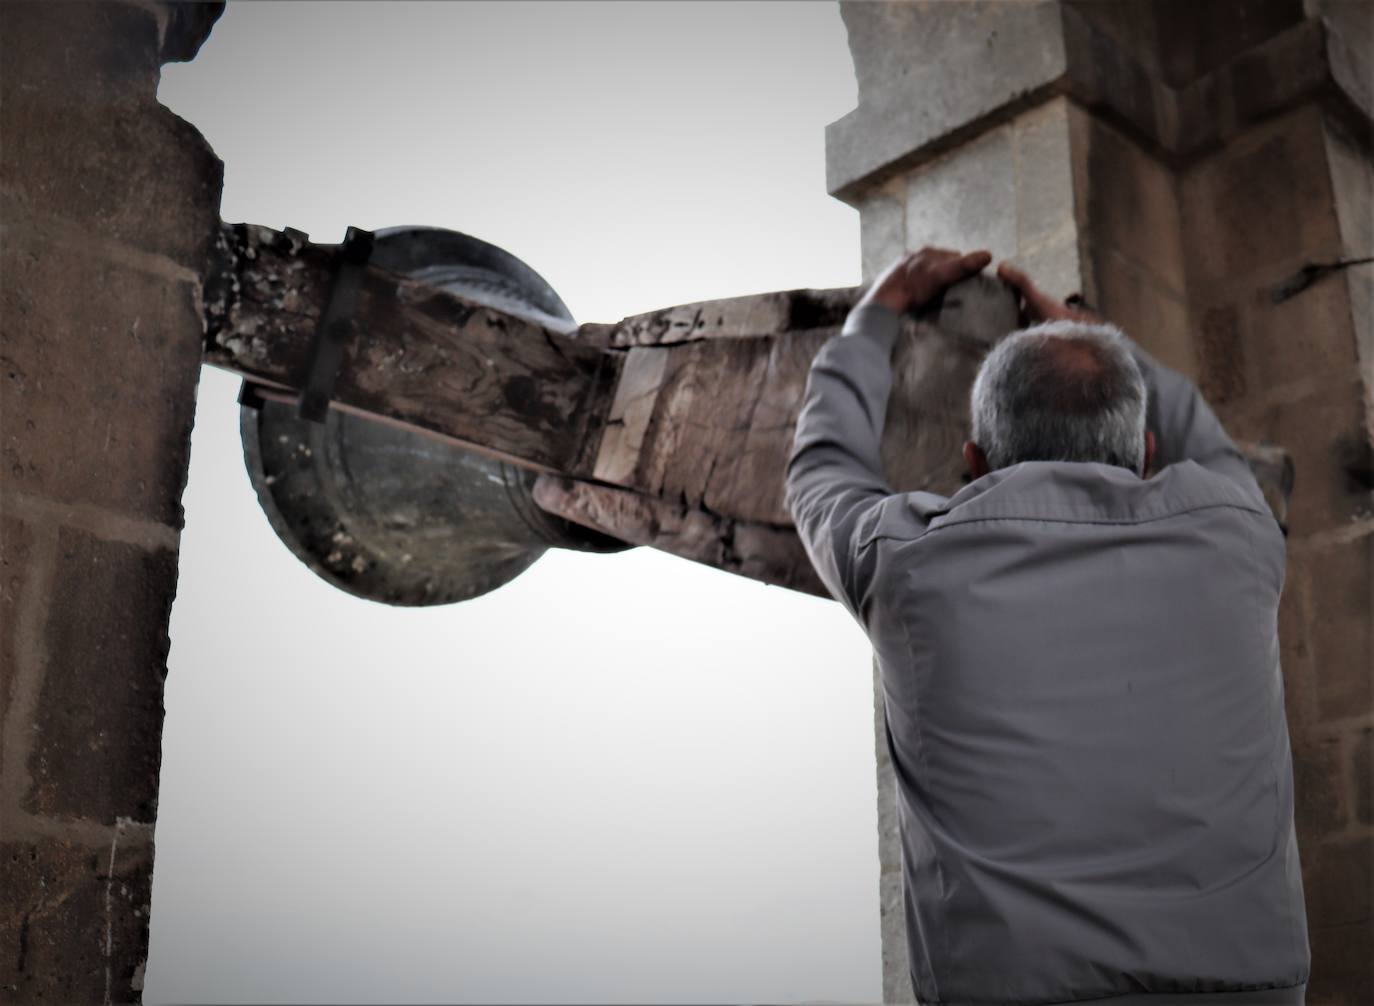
x,y
396,516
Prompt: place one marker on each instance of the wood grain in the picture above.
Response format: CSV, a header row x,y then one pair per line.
x,y
418,356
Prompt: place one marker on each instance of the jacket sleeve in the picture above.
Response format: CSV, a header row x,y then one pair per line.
x,y
834,474
1185,428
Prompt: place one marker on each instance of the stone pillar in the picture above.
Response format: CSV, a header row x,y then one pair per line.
x,y
107,206
1176,163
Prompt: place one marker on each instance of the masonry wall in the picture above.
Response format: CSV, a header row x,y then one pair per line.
x,y
107,204
1175,163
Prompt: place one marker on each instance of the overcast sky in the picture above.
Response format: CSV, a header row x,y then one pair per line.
x,y
618,777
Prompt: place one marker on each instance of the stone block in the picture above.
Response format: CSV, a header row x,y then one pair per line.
x,y
1131,26
1056,267
1342,965
1261,203
16,559
1145,308
1362,775
1352,184
896,957
925,70
1128,201
98,726
125,170
967,198
1360,289
109,50
1338,881
97,379
1108,78
1318,789
1221,358
1044,176
1326,432
72,928
1310,334
1342,638
882,230
1215,32
1265,79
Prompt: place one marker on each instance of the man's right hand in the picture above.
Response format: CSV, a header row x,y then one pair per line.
x,y
1037,306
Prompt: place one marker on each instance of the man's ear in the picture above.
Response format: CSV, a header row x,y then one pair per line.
x,y
1149,453
975,460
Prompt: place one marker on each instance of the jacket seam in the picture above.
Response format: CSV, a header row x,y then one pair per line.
x,y
1053,519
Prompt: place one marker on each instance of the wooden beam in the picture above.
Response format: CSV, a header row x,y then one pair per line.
x,y
417,356
764,552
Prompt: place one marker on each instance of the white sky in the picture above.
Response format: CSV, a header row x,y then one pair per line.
x,y
618,777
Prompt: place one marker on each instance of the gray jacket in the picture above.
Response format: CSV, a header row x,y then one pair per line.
x,y
1084,705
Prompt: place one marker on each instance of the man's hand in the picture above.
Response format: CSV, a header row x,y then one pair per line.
x,y
917,278
1036,306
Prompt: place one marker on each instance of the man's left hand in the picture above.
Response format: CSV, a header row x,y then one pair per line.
x,y
917,278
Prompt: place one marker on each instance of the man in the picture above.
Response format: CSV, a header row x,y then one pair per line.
x,y
1079,661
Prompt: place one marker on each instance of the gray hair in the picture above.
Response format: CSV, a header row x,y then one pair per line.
x,y
1061,391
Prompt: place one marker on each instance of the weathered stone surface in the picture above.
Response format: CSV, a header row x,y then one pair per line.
x,y
1305,336
96,747
896,959
1262,203
1129,200
1319,789
1338,876
925,70
1135,299
1057,267
1326,431
1179,40
1221,358
1342,966
1352,183
1342,635
74,921
1362,774
110,50
966,199
121,166
16,553
882,229
1129,61
100,424
1045,198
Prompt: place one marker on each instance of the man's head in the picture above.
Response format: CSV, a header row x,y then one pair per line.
x,y
1059,391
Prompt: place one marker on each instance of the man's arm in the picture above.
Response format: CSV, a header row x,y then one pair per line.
x,y
834,472
1185,427
834,477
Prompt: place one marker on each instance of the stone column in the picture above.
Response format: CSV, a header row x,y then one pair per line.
x,y
107,206
1177,163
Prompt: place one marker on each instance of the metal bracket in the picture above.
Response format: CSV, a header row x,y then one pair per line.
x,y
336,325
